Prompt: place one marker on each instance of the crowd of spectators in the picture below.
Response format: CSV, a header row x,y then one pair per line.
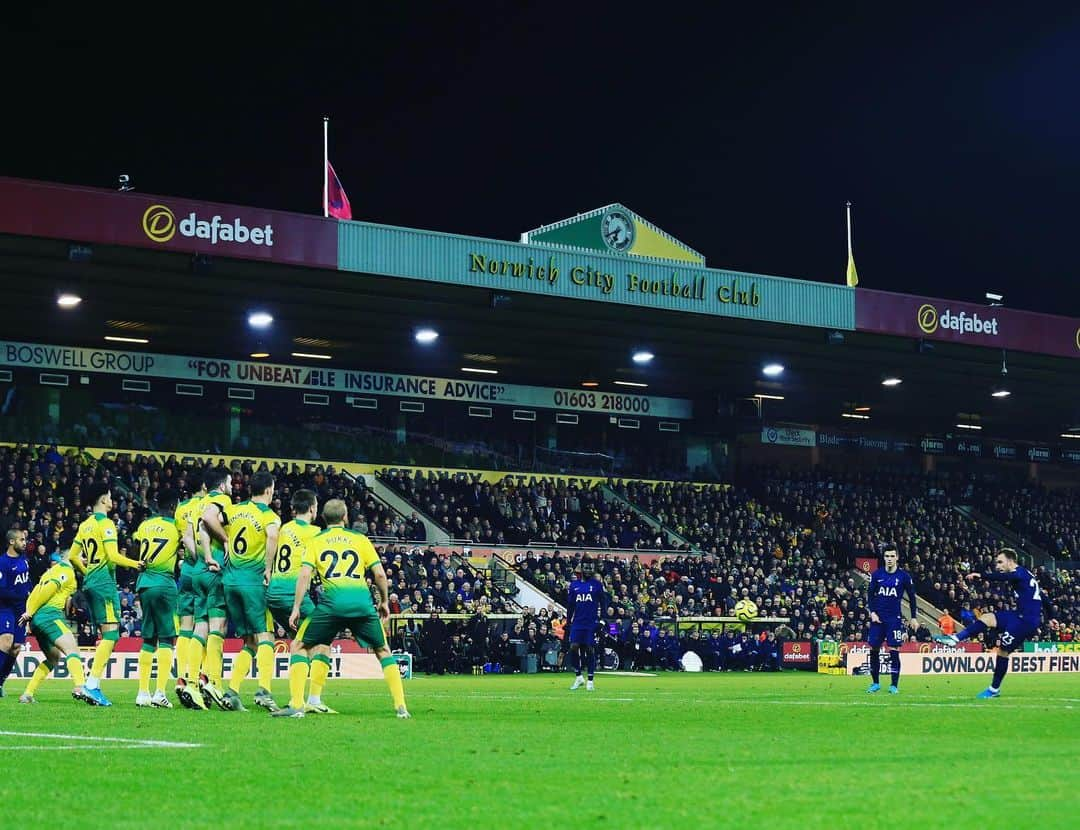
x,y
857,514
785,540
812,592
516,512
1051,519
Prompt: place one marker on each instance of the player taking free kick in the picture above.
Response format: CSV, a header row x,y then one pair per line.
x,y
1013,627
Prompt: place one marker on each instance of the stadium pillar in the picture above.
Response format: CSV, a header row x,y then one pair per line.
x,y
1033,471
929,463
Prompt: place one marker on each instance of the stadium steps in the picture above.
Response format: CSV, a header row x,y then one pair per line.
x,y
436,534
528,595
1038,554
647,518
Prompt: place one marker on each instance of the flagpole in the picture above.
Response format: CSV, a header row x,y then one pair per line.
x,y
849,251
326,165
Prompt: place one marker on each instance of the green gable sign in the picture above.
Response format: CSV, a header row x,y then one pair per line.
x,y
613,229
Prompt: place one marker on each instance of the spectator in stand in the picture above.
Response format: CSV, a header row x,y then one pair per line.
x,y
946,623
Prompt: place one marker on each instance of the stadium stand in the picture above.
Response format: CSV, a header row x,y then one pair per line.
x,y
541,511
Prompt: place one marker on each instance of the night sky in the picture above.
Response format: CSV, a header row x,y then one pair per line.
x,y
955,132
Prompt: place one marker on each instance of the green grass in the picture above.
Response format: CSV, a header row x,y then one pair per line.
x,y
795,750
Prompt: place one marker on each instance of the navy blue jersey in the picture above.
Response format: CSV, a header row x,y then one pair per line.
x,y
887,590
585,599
15,585
1026,588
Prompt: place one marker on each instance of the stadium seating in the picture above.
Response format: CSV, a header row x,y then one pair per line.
x,y
541,511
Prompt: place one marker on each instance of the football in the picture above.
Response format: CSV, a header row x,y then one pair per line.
x,y
746,610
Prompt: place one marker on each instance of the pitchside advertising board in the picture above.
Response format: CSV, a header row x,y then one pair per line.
x,y
82,214
936,659
351,382
977,325
348,661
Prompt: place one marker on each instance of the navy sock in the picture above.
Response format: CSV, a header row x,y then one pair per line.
x,y
7,663
1001,665
575,661
592,662
875,664
973,630
894,666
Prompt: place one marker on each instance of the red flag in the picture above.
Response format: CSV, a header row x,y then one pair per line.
x,y
337,203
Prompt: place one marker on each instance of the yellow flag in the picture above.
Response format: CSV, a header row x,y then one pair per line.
x,y
852,274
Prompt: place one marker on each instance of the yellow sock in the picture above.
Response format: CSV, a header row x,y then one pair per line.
x,y
241,668
392,674
320,669
215,643
264,664
196,649
298,675
103,653
40,673
75,669
182,646
164,666
146,662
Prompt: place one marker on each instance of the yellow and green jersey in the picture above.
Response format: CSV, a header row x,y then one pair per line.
x,y
62,575
159,547
247,527
186,514
289,558
342,558
96,543
223,502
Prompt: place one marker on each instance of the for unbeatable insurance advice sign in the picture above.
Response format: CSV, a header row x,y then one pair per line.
x,y
353,381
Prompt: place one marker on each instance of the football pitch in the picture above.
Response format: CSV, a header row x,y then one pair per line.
x,y
687,750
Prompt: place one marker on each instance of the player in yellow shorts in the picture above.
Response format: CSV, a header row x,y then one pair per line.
x,y
45,611
95,553
342,558
187,522
159,544
253,536
206,580
292,547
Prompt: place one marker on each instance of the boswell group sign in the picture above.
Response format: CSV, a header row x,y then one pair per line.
x,y
257,373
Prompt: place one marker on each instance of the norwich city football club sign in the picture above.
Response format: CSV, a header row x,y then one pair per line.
x,y
607,255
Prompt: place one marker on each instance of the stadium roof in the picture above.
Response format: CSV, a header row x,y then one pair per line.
x,y
197,305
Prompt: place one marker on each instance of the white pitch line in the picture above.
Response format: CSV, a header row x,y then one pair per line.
x,y
128,743
721,701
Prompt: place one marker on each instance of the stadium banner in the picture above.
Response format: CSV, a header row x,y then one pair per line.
x,y
866,564
853,441
796,653
92,215
1051,648
351,382
856,654
553,271
348,660
957,662
788,436
978,325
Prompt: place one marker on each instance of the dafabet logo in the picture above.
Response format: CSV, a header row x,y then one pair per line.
x,y
930,321
927,318
160,225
